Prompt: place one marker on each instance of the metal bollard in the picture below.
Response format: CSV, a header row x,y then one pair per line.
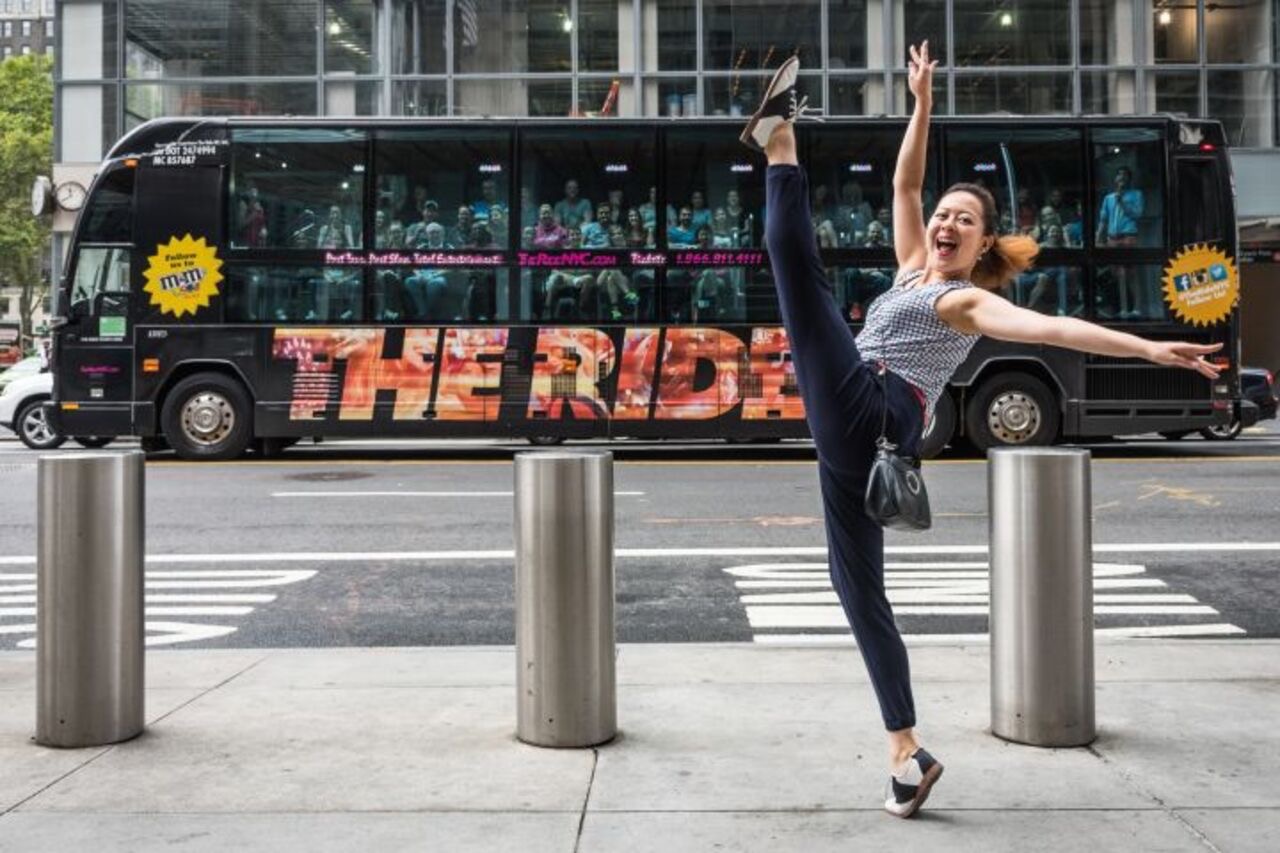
x,y
566,690
1042,679
89,598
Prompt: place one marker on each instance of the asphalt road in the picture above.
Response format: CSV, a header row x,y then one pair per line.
x,y
408,543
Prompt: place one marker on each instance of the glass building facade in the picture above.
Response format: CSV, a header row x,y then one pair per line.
x,y
132,60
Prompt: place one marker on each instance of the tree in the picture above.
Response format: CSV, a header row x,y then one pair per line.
x,y
26,150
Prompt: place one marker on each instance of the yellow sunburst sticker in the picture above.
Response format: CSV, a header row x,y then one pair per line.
x,y
183,275
1201,285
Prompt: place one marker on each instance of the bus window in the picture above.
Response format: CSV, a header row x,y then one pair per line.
x,y
1199,202
297,189
456,179
851,185
99,271
1049,288
1034,174
1129,292
1128,183
440,295
583,295
108,217
294,295
571,183
709,171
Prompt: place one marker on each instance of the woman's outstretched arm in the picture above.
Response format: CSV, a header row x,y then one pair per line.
x,y
976,311
908,177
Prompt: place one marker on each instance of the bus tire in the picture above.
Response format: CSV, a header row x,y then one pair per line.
x,y
940,429
93,441
1176,434
33,427
1012,409
208,417
274,447
546,440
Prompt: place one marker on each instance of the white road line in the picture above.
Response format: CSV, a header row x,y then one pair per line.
x,y
470,494
185,602
799,551
813,616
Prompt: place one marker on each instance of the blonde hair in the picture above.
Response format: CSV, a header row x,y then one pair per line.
x,y
1008,255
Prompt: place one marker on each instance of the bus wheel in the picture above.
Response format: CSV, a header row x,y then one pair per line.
x,y
546,440
207,416
272,448
33,427
940,429
1012,409
93,441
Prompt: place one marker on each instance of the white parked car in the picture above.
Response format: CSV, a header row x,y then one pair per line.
x,y
21,410
19,370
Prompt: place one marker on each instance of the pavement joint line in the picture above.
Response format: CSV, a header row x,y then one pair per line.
x,y
586,799
91,759
207,691
1133,784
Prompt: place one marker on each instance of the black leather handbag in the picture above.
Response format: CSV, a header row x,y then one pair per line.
x,y
896,496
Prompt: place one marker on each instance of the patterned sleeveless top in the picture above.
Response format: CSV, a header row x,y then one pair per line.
x,y
905,332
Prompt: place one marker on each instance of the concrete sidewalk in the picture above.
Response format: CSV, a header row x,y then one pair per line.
x,y
723,747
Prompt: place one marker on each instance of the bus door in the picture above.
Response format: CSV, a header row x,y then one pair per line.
x,y
93,346
1206,216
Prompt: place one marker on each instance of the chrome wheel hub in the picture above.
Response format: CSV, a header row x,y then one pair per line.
x,y
36,427
1013,417
208,418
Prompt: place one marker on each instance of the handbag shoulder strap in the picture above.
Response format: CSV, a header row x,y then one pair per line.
x,y
883,443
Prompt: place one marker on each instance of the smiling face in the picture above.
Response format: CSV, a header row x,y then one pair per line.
x,y
955,235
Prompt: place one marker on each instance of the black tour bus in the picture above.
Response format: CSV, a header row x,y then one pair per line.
x,y
239,283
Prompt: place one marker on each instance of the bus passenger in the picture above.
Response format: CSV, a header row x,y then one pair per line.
x,y
426,287
915,336
416,236
336,233
639,235
722,232
460,234
488,199
649,209
498,226
549,234
1118,226
252,219
572,210
681,233
595,234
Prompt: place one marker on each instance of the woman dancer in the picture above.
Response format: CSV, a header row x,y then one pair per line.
x,y
917,333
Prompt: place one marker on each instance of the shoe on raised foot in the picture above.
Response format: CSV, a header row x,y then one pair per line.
x,y
909,789
779,105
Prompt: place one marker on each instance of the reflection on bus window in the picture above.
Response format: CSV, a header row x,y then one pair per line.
x,y
602,188
439,295
455,179
294,295
612,295
98,271
1128,182
297,189
857,287
851,186
707,173
1048,289
1130,292
108,216
1034,175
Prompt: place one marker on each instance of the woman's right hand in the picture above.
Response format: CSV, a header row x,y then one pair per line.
x,y
920,72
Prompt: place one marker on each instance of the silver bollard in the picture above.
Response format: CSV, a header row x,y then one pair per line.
x,y
1042,679
566,689
89,598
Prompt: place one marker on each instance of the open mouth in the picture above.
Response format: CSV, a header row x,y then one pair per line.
x,y
945,248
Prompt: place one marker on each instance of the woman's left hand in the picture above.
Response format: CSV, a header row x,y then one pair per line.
x,y
1183,354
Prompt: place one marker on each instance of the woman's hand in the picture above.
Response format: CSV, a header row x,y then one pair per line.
x,y
1182,354
920,72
